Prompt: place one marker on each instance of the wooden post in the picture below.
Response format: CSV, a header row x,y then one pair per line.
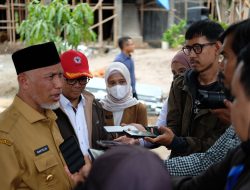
x,y
100,27
185,8
117,21
223,10
8,20
218,10
142,15
246,6
171,14
212,8
13,21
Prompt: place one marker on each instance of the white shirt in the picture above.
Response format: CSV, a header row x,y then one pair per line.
x,y
117,115
162,119
78,121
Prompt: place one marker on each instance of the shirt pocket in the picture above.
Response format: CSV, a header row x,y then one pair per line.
x,y
47,171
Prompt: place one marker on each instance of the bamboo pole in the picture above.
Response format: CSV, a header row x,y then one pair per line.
x,y
13,21
218,10
9,21
142,15
103,21
97,5
185,8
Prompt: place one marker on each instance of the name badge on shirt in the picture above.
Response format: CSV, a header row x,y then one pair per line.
x,y
41,150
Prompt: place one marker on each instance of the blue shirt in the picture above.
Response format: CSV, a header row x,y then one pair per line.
x,y
196,163
129,62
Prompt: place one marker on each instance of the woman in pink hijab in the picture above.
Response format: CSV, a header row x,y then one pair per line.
x,y
179,64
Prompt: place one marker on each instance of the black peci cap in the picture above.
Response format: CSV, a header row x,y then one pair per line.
x,y
36,56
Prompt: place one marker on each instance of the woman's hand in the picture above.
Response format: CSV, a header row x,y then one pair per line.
x,y
127,140
136,125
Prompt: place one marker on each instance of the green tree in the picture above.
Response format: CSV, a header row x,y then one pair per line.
x,y
57,22
175,34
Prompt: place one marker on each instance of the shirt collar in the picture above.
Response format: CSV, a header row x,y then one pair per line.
x,y
30,113
125,55
66,103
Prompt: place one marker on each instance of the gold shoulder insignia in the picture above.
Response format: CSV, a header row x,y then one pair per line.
x,y
5,141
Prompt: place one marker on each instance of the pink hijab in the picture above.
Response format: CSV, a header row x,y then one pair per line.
x,y
181,58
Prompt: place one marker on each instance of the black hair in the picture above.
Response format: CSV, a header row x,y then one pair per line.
x,y
210,29
245,70
122,41
240,33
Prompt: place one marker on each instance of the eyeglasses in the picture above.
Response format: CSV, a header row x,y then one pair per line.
x,y
196,47
81,81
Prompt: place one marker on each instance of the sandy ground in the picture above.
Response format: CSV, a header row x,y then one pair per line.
x,y
152,66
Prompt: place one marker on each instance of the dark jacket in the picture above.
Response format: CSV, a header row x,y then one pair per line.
x,y
216,176
197,134
94,118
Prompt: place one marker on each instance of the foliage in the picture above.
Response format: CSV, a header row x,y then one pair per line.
x,y
223,24
57,22
175,34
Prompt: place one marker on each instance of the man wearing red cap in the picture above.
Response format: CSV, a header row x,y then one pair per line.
x,y
79,113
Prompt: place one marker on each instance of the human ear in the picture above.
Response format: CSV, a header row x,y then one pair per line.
x,y
218,46
23,81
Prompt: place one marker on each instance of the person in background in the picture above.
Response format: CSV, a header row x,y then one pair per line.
x,y
79,114
233,172
119,105
179,64
29,136
127,47
127,167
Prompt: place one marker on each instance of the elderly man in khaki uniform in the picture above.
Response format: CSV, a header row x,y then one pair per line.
x,y
29,137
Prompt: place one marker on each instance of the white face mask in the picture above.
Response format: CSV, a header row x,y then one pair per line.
x,y
118,91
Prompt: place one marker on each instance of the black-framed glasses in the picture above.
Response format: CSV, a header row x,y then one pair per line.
x,y
196,47
81,81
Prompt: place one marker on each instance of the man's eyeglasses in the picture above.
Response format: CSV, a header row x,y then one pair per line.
x,y
81,81
196,47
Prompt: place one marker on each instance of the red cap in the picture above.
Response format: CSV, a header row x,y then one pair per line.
x,y
75,64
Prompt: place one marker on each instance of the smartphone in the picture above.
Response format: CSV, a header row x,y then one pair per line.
x,y
72,154
108,143
153,129
139,134
119,129
94,153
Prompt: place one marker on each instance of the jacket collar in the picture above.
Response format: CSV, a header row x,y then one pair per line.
x,y
190,78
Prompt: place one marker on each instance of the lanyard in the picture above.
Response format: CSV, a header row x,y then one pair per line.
x,y
233,176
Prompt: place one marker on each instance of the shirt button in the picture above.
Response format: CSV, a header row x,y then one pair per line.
x,y
49,177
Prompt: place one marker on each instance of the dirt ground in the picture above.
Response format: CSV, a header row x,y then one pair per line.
x,y
152,66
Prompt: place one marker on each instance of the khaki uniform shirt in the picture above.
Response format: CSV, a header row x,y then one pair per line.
x,y
30,158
